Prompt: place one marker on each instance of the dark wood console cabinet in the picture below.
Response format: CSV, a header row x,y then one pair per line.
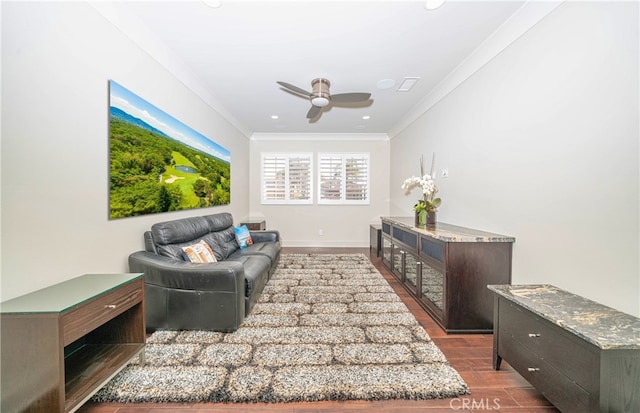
x,y
375,239
447,268
61,344
582,356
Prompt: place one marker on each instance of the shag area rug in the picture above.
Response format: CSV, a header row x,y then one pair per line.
x,y
327,327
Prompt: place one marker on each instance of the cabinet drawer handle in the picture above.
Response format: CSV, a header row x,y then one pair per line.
x,y
533,369
534,335
110,306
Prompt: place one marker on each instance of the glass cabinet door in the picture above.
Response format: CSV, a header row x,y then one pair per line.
x,y
386,251
411,269
398,262
432,287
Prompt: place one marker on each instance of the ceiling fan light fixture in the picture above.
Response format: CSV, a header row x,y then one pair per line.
x,y
319,101
320,94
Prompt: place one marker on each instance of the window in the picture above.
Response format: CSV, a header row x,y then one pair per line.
x,y
343,178
287,178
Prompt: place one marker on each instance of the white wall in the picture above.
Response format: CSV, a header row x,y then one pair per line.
x,y
57,59
542,143
343,225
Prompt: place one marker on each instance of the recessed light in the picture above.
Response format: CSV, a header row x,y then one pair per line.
x,y
433,4
366,117
408,83
274,117
214,4
385,83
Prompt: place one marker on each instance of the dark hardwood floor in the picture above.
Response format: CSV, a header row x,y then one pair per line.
x,y
471,354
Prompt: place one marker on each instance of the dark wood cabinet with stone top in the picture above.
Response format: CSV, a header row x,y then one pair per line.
x,y
447,268
584,357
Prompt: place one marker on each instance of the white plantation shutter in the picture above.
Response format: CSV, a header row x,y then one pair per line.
x,y
287,178
300,178
357,178
331,173
273,178
343,178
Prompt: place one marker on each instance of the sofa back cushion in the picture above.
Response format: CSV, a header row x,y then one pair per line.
x,y
223,242
149,245
216,230
171,236
218,222
222,237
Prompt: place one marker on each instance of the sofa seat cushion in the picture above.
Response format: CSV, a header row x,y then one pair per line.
x,y
255,269
270,250
166,273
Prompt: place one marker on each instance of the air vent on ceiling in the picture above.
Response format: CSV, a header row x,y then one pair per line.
x,y
408,83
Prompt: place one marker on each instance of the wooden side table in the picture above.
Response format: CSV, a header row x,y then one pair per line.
x,y
257,225
61,344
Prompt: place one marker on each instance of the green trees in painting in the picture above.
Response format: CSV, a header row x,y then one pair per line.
x,y
151,173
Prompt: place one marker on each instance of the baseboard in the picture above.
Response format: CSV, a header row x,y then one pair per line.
x,y
330,244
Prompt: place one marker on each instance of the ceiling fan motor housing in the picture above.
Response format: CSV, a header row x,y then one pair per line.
x,y
320,95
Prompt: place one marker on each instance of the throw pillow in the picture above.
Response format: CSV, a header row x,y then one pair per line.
x,y
243,236
199,253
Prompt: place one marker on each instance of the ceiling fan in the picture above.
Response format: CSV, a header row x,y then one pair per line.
x,y
321,98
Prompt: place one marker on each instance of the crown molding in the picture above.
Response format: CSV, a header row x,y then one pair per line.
x,y
139,34
525,18
320,137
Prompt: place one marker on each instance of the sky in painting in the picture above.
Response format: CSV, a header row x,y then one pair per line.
x,y
135,106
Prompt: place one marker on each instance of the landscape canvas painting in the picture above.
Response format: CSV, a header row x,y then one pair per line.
x,y
159,164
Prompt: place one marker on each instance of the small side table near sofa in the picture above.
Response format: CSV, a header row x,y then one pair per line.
x,y
255,225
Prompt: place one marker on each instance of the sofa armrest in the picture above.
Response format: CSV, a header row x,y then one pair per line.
x,y
167,272
265,236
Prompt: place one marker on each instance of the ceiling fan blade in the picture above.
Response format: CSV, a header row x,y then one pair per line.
x,y
293,88
350,97
313,112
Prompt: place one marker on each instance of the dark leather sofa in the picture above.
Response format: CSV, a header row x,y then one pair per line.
x,y
181,295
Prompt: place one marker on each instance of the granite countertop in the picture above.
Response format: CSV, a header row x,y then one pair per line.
x,y
598,324
449,233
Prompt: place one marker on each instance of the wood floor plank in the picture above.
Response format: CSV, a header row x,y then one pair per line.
x,y
471,354
527,396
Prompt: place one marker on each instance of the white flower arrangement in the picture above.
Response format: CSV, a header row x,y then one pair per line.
x,y
428,202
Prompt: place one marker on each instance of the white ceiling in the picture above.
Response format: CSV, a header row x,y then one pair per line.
x,y
237,52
